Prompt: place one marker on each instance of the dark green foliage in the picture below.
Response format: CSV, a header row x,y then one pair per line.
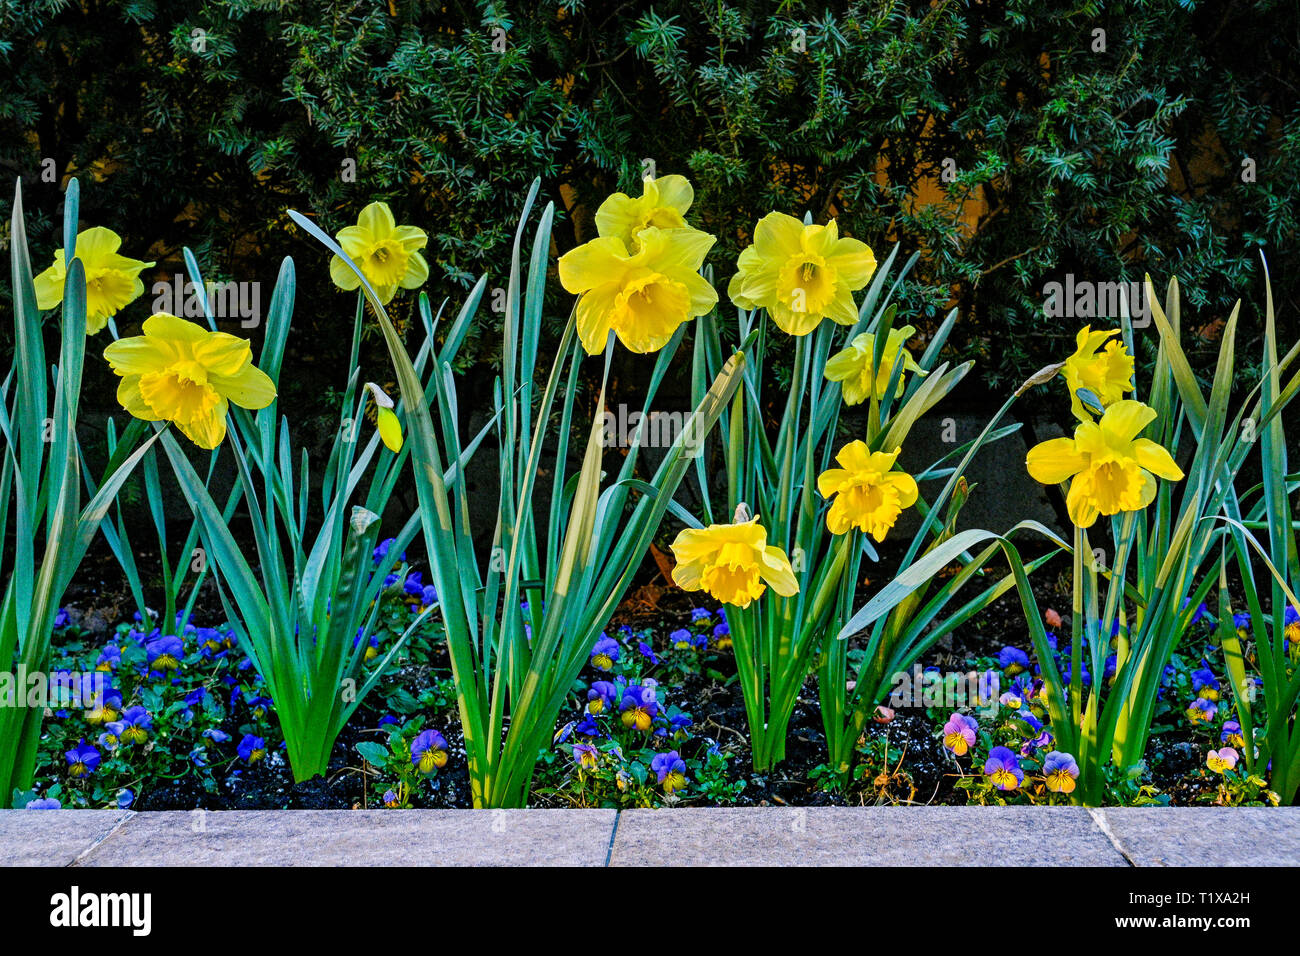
x,y
1102,164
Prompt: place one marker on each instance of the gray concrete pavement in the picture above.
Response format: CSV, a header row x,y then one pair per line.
x,y
774,836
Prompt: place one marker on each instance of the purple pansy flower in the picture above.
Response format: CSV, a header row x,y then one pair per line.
x,y
1003,769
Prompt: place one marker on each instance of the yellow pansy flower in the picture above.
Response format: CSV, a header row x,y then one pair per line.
x,y
1222,760
852,366
180,372
112,280
801,274
387,254
390,429
732,562
1113,470
868,494
1107,374
643,296
663,204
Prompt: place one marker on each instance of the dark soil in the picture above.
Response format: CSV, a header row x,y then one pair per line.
x,y
269,784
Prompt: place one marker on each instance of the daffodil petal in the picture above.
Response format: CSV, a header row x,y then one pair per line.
x,y
342,275
854,260
1155,459
412,238
129,397
96,243
776,571
250,387
675,191
828,481
593,317
417,272
174,328
778,236
207,431
674,250
1053,461
1081,509
377,219
598,262
223,354
139,354
908,492
49,286
1125,419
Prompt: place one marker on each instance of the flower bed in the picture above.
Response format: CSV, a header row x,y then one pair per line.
x,y
509,668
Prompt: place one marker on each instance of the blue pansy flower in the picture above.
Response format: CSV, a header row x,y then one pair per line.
x,y
671,770
1013,660
1205,684
165,654
136,724
586,756
109,658
604,653
601,697
1060,771
82,759
1231,734
638,707
381,550
252,748
429,752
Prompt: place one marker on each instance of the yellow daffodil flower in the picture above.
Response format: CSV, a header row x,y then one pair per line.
x,y
868,494
1107,374
180,372
801,274
852,366
387,254
390,429
112,280
663,204
642,297
732,562
1113,470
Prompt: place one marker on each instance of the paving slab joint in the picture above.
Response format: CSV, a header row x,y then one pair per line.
x,y
613,835
1099,818
94,846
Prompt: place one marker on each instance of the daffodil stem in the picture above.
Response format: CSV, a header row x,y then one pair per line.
x,y
792,408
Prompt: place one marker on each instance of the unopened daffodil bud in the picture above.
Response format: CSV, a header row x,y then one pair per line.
x,y
390,429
